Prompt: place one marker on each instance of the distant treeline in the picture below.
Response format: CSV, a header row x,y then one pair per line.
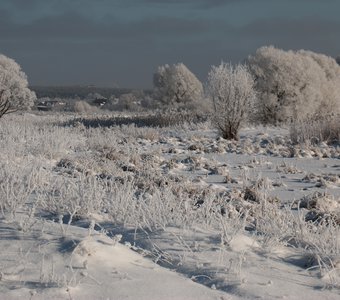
x,y
77,91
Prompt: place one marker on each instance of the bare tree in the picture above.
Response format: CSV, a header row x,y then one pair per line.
x,y
231,90
14,92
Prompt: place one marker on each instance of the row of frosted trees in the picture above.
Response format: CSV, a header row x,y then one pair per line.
x,y
273,86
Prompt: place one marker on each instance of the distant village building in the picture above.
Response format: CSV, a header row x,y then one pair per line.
x,y
100,101
49,104
96,99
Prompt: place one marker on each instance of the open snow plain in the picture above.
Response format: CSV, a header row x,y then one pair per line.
x,y
93,210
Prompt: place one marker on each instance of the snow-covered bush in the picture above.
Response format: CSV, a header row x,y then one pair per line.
x,y
84,107
294,84
14,92
176,84
232,92
129,102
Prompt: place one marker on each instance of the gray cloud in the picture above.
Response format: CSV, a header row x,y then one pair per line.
x,y
23,4
194,3
302,27
75,26
72,49
311,33
70,45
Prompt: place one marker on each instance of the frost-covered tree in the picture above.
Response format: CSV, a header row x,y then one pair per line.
x,y
328,83
232,92
176,84
14,92
294,85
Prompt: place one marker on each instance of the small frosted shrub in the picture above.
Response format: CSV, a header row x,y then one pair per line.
x,y
84,107
231,90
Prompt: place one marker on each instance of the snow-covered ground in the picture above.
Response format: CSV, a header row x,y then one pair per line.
x,y
173,213
45,264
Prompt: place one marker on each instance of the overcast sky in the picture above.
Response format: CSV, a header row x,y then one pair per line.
x,y
121,42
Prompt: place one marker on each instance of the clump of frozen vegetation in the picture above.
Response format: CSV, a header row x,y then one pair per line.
x,y
83,107
317,130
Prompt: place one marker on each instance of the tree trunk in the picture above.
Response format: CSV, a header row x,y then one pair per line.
x,y
230,133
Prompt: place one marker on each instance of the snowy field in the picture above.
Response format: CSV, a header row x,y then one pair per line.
x,y
126,212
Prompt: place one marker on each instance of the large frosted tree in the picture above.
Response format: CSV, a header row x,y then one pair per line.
x,y
232,92
14,92
294,85
176,84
